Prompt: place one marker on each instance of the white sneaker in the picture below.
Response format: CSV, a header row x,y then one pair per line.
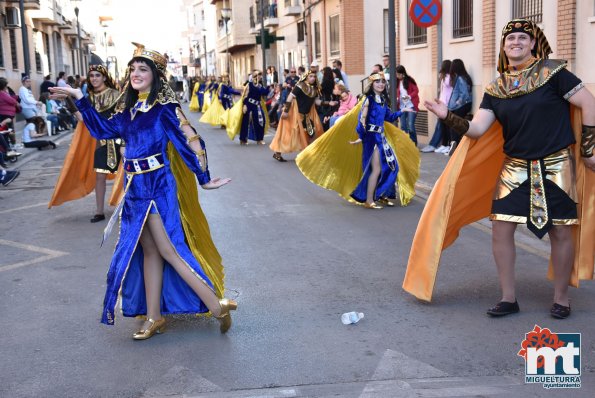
x,y
427,149
440,149
13,153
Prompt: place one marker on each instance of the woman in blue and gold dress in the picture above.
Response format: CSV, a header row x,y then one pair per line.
x,y
365,173
176,268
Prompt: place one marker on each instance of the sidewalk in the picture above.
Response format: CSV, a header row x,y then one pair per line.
x,y
27,153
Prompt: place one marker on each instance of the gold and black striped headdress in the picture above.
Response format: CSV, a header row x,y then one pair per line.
x,y
109,82
542,48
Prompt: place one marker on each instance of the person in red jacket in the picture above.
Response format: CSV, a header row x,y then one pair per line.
x,y
407,98
8,107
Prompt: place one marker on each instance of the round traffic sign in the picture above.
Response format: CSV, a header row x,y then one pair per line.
x,y
425,13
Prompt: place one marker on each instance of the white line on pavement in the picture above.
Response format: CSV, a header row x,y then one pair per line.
x,y
23,208
49,254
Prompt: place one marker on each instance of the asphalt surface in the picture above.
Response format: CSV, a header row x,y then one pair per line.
x,y
296,257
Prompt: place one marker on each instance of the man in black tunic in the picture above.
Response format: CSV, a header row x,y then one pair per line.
x,y
536,187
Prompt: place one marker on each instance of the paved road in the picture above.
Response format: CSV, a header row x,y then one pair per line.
x,y
296,257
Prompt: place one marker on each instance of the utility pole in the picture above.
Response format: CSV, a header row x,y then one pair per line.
x,y
25,37
262,43
392,55
80,43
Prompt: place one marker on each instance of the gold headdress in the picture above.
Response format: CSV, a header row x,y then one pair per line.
x,y
165,95
542,48
109,82
376,76
159,60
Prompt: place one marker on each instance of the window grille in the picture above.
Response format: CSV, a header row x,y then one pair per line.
x,y
301,31
13,49
317,50
528,9
415,34
334,28
386,30
462,18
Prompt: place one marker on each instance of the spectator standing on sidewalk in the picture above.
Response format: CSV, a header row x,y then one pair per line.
x,y
440,141
61,81
337,64
461,99
386,69
28,101
407,99
46,84
9,106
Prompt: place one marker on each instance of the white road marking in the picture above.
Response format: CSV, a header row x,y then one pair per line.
x,y
398,375
23,208
49,254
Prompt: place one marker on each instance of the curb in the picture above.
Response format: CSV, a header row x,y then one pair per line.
x,y
32,153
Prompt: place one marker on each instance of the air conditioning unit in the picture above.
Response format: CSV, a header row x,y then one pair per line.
x,y
13,18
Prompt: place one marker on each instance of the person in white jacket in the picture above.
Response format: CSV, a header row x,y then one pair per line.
x,y
28,101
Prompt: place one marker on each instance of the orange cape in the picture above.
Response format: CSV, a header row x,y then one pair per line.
x,y
463,195
291,135
77,178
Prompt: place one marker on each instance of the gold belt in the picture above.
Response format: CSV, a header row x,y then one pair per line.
x,y
557,167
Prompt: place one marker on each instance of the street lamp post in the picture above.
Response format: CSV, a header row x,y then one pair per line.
x,y
204,36
105,41
25,37
226,16
78,35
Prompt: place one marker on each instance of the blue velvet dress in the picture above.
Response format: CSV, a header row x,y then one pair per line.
x,y
226,93
201,94
372,136
254,120
148,133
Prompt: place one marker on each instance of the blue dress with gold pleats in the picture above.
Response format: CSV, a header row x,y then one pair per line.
x,y
148,133
372,136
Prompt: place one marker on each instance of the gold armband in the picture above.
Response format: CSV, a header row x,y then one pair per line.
x,y
458,124
587,141
70,106
193,138
200,153
286,107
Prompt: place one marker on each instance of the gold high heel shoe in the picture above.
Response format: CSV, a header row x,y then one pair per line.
x,y
157,326
386,202
225,317
372,206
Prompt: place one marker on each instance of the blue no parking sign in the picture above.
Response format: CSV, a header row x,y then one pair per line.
x,y
425,13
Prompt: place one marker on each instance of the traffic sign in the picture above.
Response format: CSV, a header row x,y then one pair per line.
x,y
425,13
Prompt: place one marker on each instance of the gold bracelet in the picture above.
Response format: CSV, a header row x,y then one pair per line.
x,y
200,153
193,138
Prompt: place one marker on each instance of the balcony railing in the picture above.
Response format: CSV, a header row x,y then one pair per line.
x,y
292,7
